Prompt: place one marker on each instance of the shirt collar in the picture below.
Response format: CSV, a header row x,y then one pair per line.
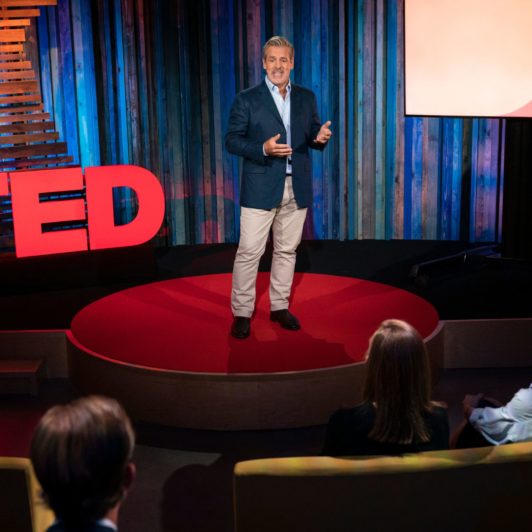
x,y
274,88
104,522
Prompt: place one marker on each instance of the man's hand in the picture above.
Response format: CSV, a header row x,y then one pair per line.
x,y
324,133
470,402
273,149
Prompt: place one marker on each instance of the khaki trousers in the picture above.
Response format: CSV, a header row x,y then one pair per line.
x,y
286,222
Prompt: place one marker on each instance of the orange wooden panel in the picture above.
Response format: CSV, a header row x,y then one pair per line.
x,y
23,118
29,138
37,162
11,47
12,35
17,74
18,13
12,56
19,87
14,22
22,109
27,126
33,98
14,65
24,3
54,148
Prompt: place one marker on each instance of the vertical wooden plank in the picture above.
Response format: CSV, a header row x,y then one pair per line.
x,y
367,227
451,174
131,81
359,124
222,80
44,73
390,113
474,178
400,144
484,184
316,85
143,69
209,182
85,84
175,193
254,42
109,150
380,143
228,42
63,74
456,186
325,104
352,108
500,202
341,128
159,104
431,179
124,149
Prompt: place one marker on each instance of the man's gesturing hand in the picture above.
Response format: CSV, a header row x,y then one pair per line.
x,y
276,150
324,133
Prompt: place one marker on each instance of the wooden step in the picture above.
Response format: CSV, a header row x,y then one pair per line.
x,y
20,376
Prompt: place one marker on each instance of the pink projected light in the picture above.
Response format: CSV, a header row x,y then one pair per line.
x,y
468,58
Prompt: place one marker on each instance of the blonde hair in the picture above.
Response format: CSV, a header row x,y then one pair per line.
x,y
398,383
276,40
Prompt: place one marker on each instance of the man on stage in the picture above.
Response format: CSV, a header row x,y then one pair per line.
x,y
272,126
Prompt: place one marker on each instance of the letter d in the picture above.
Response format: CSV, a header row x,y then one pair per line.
x,y
100,181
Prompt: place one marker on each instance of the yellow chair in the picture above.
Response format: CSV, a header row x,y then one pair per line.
x,y
485,489
21,507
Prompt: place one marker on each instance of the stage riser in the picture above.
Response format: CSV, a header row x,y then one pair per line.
x,y
259,401
219,402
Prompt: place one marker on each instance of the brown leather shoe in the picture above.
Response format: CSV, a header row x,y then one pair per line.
x,y
241,327
286,319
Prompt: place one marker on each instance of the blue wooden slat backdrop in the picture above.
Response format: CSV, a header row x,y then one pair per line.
x,y
152,82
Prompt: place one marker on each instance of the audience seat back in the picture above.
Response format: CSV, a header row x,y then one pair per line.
x,y
21,508
484,489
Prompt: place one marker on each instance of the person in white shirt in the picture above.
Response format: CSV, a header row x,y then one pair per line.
x,y
488,422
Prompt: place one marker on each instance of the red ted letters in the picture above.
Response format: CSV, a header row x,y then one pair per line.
x,y
30,212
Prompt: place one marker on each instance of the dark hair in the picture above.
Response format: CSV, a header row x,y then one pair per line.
x,y
276,40
80,452
398,383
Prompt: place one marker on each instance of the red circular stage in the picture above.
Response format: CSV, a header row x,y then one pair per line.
x,y
183,324
171,338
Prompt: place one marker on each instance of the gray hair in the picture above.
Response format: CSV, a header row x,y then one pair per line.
x,y
276,40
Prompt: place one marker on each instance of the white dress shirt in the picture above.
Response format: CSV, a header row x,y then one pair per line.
x,y
283,106
509,423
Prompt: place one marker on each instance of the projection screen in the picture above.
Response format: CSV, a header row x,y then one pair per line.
x,y
468,58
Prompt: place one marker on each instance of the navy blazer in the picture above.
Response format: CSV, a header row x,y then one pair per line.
x,y
254,118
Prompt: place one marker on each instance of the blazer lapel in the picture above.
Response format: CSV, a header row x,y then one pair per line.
x,y
270,104
295,107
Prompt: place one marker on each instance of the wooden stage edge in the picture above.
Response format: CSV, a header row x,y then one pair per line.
x,y
257,401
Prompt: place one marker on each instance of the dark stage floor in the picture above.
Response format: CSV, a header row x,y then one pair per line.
x,y
462,281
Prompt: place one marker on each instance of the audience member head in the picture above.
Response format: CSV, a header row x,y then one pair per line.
x,y
81,453
398,383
